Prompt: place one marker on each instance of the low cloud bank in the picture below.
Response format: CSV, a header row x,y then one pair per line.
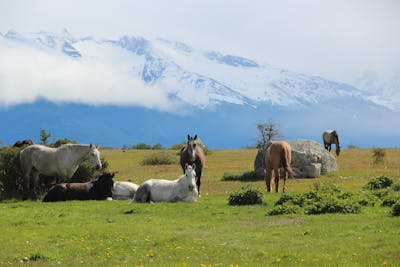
x,y
28,73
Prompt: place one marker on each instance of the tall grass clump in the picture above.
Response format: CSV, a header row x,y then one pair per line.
x,y
378,155
159,158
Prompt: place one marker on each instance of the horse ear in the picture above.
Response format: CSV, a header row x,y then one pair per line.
x,y
186,165
195,137
188,137
91,145
194,166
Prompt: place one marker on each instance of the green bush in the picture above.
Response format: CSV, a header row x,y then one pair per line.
x,y
11,182
322,198
291,198
396,208
244,176
160,158
284,209
396,186
246,196
379,183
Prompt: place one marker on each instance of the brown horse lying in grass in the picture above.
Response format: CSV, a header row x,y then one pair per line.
x,y
278,155
99,188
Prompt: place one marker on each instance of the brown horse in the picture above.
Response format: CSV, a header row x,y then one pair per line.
x,y
331,137
23,143
278,155
193,153
99,188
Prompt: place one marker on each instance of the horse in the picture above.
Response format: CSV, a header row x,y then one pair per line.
x,y
331,137
158,190
277,155
61,162
192,153
124,190
99,188
23,143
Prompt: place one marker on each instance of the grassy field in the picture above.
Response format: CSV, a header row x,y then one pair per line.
x,y
209,232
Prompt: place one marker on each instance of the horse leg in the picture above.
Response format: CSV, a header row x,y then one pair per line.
x,y
329,147
198,182
277,176
285,175
26,185
34,183
268,175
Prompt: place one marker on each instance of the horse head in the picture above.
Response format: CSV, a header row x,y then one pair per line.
x,y
190,175
191,147
94,156
104,185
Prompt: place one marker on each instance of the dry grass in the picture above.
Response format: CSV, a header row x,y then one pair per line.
x,y
356,167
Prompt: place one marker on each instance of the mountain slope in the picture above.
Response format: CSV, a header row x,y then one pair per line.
x,y
197,77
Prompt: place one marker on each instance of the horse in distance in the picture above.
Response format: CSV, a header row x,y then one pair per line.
x,y
278,155
159,190
192,153
331,137
99,188
61,162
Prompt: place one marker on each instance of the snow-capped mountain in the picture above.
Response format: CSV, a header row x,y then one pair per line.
x,y
198,77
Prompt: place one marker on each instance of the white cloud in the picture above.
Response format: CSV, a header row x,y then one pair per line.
x,y
28,73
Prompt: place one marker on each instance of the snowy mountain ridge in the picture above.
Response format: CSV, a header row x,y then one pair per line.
x,y
206,78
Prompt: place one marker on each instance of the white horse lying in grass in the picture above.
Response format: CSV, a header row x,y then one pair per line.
x,y
157,190
61,162
124,190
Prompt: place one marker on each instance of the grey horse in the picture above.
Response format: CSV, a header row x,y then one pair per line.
x,y
331,137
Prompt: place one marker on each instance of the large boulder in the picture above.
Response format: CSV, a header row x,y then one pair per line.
x,y
309,159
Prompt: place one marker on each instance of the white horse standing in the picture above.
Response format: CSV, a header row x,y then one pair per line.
x,y
61,162
124,190
157,190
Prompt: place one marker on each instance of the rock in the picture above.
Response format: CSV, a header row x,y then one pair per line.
x,y
306,154
259,164
309,159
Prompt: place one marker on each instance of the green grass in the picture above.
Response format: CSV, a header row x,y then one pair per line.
x,y
209,232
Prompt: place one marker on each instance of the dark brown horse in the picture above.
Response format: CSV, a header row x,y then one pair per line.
x,y
99,188
193,153
23,143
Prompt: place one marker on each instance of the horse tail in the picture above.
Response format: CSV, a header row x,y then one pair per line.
x,y
285,163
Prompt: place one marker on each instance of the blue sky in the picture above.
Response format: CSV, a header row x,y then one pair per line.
x,y
338,40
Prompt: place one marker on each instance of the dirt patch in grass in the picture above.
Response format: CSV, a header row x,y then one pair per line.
x,y
277,222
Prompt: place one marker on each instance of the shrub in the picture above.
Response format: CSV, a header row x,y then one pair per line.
x,y
293,198
159,158
244,176
284,209
322,198
396,208
390,199
378,155
333,205
379,183
246,196
396,186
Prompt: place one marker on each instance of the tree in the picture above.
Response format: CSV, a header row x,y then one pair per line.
x,y
44,136
268,132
